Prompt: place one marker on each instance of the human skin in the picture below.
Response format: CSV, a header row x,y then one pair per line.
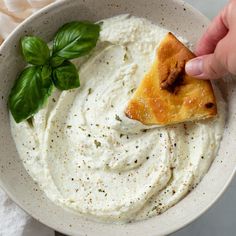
x,y
216,50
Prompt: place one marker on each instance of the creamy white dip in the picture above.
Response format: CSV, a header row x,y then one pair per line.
x,y
88,157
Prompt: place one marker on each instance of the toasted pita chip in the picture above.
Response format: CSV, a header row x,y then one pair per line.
x,y
167,95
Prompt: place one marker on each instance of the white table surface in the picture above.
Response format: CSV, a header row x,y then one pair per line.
x,y
220,220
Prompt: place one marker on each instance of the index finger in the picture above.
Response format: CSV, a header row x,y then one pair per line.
x,y
217,30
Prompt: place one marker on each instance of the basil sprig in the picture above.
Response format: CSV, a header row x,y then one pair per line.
x,y
48,69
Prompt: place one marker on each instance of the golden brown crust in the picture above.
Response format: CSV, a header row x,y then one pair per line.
x,y
167,95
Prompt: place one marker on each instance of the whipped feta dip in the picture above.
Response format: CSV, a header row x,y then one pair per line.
x,y
88,157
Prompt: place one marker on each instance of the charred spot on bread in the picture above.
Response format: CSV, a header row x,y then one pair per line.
x,y
175,77
209,105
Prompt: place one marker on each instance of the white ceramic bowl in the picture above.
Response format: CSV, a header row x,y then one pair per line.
x,y
172,14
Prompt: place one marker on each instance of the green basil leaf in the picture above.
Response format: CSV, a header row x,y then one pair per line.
x,y
66,76
75,39
56,61
28,94
34,50
46,75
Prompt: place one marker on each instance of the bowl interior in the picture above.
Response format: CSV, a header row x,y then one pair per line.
x,y
174,15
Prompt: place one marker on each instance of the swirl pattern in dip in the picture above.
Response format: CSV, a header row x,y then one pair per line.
x,y
88,157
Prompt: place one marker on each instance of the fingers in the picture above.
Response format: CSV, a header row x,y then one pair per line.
x,y
216,50
214,65
215,32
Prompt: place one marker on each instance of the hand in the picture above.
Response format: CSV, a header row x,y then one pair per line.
x,y
216,50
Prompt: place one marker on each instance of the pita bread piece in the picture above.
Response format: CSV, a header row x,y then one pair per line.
x,y
167,95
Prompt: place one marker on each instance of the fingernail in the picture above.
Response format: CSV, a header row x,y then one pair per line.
x,y
194,67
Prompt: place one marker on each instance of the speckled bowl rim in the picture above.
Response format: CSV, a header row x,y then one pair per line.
x,y
170,229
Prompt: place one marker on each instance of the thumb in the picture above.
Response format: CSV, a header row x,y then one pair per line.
x,y
205,67
215,65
